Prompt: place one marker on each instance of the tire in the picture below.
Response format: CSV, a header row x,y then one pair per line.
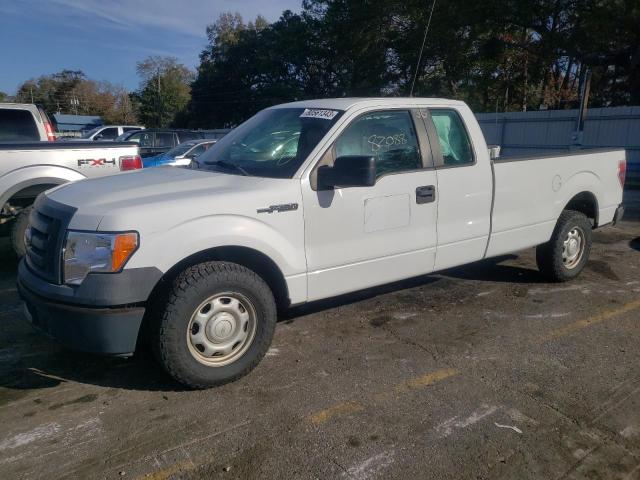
x,y
559,262
210,306
17,232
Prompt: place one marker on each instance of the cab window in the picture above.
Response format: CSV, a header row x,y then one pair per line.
x,y
107,134
164,140
144,139
389,136
199,149
17,125
452,137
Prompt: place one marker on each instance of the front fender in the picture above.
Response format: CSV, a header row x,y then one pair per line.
x,y
29,176
284,245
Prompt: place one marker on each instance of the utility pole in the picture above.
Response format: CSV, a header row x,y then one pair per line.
x,y
74,104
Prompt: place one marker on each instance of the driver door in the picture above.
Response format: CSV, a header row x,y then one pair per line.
x,y
359,237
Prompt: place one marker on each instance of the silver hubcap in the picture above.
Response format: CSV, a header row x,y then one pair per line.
x,y
573,248
221,329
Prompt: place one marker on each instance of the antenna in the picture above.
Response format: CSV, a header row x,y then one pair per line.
x,y
426,30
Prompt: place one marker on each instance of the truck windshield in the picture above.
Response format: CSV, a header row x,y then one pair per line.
x,y
273,143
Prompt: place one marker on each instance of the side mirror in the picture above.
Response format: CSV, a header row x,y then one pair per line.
x,y
97,137
348,171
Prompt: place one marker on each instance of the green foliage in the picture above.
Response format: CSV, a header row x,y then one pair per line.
x,y
70,91
164,91
495,54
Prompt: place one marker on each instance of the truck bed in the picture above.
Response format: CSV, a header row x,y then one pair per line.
x,y
531,191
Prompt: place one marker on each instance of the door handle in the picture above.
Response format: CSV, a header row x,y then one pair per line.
x,y
425,194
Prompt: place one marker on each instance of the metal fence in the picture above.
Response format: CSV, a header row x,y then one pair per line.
x,y
550,131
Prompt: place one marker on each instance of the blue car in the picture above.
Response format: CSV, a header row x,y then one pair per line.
x,y
181,155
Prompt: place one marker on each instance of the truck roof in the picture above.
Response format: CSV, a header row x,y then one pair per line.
x,y
17,105
348,103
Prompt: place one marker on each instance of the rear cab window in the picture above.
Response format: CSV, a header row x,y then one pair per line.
x,y
453,138
17,125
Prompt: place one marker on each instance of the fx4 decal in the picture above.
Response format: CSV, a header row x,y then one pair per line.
x,y
95,162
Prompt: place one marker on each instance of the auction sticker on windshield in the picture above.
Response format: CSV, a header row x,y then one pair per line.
x,y
318,113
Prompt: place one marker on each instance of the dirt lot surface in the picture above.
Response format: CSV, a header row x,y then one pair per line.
x,y
482,372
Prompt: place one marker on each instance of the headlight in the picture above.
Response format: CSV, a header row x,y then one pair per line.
x,y
89,252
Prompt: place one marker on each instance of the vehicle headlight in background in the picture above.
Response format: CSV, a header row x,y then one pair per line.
x,y
95,252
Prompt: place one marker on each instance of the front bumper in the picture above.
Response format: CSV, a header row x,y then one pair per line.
x,y
109,331
103,315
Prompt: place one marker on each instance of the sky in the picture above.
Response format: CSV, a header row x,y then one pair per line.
x,y
105,38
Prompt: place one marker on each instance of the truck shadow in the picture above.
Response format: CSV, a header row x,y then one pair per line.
x,y
635,244
292,313
492,270
62,366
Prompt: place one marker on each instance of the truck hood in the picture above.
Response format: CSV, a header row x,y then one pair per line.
x,y
174,195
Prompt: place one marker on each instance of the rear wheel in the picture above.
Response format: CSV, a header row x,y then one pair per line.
x,y
217,324
564,256
17,232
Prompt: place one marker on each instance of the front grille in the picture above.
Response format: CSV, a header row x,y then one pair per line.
x,y
48,223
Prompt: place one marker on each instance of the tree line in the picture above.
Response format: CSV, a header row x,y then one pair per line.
x,y
161,99
497,55
494,54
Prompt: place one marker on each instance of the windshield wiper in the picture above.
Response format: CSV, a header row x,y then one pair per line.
x,y
232,166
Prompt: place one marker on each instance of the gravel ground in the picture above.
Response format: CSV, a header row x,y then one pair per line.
x,y
483,372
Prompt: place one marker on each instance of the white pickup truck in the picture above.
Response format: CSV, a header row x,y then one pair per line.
x,y
303,201
27,169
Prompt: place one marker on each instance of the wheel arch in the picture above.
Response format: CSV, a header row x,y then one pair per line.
x,y
585,202
250,258
39,178
27,194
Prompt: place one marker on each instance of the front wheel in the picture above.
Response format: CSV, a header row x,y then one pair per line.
x,y
217,324
564,256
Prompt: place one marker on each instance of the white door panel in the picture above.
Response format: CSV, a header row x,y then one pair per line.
x,y
464,208
465,187
360,237
387,212
347,278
